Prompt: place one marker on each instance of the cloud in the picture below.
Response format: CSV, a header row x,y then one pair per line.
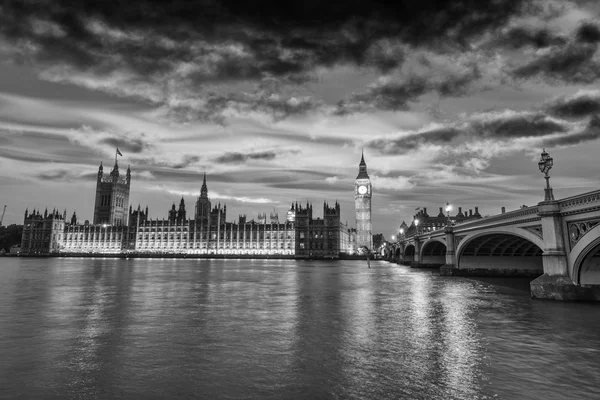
x,y
588,33
447,76
391,183
132,145
591,131
384,95
234,39
472,140
184,161
240,158
580,104
65,175
435,134
513,124
138,53
217,196
518,37
573,63
243,199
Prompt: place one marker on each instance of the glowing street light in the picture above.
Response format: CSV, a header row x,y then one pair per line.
x,y
402,232
545,165
417,225
448,209
393,237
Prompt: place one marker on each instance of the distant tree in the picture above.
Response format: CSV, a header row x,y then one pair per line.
x,y
10,235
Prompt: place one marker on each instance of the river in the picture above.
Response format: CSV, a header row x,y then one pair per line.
x,y
284,329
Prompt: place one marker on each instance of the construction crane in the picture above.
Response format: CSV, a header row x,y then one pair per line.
x,y
2,217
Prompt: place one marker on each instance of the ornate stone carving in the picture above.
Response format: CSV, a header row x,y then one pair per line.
x,y
578,229
536,230
586,199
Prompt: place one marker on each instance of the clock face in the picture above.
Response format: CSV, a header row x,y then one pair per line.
x,y
362,189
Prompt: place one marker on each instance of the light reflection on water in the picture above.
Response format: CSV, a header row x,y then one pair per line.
x,y
274,329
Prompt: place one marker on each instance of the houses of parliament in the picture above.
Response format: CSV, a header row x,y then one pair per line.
x,y
119,229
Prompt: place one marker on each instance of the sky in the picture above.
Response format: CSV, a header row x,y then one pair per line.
x,y
451,101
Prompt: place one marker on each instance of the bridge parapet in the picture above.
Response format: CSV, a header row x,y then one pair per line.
x,y
516,215
580,201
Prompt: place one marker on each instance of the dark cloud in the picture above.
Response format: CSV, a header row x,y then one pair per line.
x,y
499,126
578,105
64,175
131,145
185,161
214,105
404,144
457,85
240,158
590,132
572,63
397,96
282,38
388,96
588,33
519,37
515,125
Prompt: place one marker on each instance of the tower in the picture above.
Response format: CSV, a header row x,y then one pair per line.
x,y
203,203
362,206
112,197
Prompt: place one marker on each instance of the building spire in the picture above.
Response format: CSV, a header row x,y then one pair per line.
x,y
204,189
362,167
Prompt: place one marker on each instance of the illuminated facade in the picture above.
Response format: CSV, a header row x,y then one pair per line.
x,y
207,234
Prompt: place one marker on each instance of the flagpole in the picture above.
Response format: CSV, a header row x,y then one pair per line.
x,y
116,155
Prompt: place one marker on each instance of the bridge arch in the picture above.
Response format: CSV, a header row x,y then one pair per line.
x,y
409,253
502,251
584,263
433,252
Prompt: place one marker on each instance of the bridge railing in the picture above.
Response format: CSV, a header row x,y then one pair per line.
x,y
579,200
510,215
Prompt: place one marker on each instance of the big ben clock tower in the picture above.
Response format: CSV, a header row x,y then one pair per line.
x,y
362,205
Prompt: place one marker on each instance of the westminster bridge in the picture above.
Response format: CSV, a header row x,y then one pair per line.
x,y
557,242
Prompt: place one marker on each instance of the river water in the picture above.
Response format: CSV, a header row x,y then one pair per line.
x,y
284,329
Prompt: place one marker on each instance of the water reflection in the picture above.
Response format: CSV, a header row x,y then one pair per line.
x,y
275,329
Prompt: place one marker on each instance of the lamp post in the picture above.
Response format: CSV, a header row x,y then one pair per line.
x,y
401,234
545,164
417,225
448,209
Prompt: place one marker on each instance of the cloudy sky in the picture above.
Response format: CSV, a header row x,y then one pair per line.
x,y
451,101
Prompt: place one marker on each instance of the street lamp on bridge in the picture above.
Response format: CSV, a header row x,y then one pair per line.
x,y
448,209
417,225
401,236
545,164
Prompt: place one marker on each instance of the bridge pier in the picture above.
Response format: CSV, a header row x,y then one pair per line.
x,y
555,283
450,265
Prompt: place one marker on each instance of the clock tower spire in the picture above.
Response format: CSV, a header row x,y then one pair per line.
x,y
362,205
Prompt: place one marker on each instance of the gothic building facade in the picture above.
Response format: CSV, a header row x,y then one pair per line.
x,y
207,233
112,197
